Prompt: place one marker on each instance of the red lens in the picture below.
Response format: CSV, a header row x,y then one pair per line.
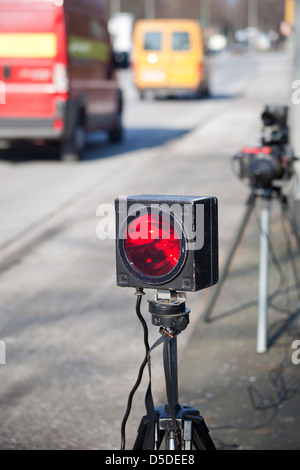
x,y
152,245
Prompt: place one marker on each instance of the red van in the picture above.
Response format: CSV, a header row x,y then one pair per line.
x,y
57,72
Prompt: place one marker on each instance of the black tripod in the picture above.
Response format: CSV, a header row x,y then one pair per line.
x,y
266,195
180,427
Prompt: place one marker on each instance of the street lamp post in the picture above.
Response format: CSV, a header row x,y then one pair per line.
x,y
205,12
295,136
253,13
149,9
115,7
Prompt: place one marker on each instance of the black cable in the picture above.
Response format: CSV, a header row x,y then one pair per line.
x,y
141,370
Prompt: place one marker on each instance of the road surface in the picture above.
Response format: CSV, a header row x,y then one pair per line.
x,y
73,342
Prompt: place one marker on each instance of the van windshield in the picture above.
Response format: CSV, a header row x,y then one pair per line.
x,y
180,41
153,41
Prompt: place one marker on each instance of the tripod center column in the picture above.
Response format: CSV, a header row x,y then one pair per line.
x,y
262,320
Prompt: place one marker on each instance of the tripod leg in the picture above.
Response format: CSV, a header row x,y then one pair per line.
x,y
196,432
216,290
293,223
262,320
295,230
142,432
202,438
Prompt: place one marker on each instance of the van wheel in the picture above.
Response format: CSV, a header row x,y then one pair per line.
x,y
116,134
147,95
72,150
202,92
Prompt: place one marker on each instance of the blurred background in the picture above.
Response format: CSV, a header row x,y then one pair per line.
x,y
228,17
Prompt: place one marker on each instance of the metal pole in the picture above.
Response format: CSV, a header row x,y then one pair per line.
x,y
149,9
172,387
252,22
115,7
262,318
253,13
295,114
205,12
172,345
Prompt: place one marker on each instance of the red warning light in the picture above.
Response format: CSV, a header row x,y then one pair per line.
x,y
167,242
153,245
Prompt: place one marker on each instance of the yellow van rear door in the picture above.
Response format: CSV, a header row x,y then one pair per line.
x,y
153,59
184,67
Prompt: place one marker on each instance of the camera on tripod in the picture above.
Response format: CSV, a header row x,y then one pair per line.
x,y
271,164
267,169
275,129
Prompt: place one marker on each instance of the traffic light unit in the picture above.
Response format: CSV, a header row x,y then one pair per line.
x,y
167,242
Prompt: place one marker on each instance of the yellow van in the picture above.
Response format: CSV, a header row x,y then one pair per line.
x,y
168,58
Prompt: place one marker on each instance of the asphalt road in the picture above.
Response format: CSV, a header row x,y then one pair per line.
x,y
73,342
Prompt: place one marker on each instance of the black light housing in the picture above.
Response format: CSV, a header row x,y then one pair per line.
x,y
167,242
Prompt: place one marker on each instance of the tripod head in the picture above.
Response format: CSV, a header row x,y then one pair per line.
x,y
168,310
270,165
